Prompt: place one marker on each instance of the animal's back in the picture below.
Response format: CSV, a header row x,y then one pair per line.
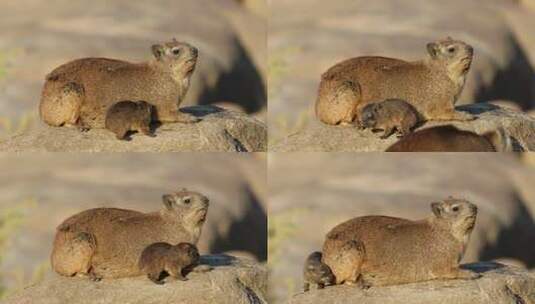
x,y
106,81
442,139
120,235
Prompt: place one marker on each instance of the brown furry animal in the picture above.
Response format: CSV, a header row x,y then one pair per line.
x,y
80,92
398,251
107,242
126,116
162,257
316,272
431,85
389,115
450,139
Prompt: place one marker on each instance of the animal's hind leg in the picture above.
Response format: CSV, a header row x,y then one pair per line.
x,y
73,253
64,107
337,101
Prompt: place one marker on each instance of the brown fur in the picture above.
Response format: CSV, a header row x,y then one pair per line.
x,y
389,115
80,92
107,242
316,272
450,139
431,85
398,251
164,257
126,116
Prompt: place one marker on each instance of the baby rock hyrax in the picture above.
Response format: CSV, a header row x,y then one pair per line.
x,y
80,92
397,251
162,257
126,116
389,115
107,242
431,85
316,272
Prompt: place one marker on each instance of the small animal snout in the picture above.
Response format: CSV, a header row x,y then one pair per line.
x,y
194,52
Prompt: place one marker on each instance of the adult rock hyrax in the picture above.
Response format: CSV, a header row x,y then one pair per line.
x,y
160,258
80,92
397,251
107,242
316,272
431,85
389,115
126,116
450,139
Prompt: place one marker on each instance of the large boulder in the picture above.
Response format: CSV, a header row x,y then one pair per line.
x,y
320,137
304,45
231,280
498,285
42,36
220,130
47,188
321,190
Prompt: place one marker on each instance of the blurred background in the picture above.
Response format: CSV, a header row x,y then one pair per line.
x,y
306,37
39,191
309,197
36,36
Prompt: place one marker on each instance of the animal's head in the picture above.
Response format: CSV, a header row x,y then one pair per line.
x,y
369,115
188,206
460,214
180,57
456,55
189,252
147,110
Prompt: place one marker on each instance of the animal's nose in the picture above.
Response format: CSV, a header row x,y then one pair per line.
x,y
194,51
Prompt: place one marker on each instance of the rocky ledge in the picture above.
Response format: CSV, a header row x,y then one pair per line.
x,y
499,284
232,280
318,137
219,131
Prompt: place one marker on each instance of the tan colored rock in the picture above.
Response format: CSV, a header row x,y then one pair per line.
x,y
323,138
500,284
231,280
220,130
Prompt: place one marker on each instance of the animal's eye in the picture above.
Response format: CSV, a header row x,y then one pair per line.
x,y
455,208
176,51
187,200
451,49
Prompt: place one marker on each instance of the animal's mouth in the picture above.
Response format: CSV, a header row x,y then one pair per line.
x,y
201,215
466,62
189,65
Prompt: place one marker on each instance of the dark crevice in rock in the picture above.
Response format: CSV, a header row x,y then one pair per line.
x,y
254,223
515,241
518,299
237,144
251,95
515,82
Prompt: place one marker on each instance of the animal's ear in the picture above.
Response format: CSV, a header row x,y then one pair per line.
x,y
437,209
168,201
432,49
157,51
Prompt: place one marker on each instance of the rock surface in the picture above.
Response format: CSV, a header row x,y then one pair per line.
x,y
320,137
220,130
499,285
321,190
304,45
46,188
36,37
230,281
